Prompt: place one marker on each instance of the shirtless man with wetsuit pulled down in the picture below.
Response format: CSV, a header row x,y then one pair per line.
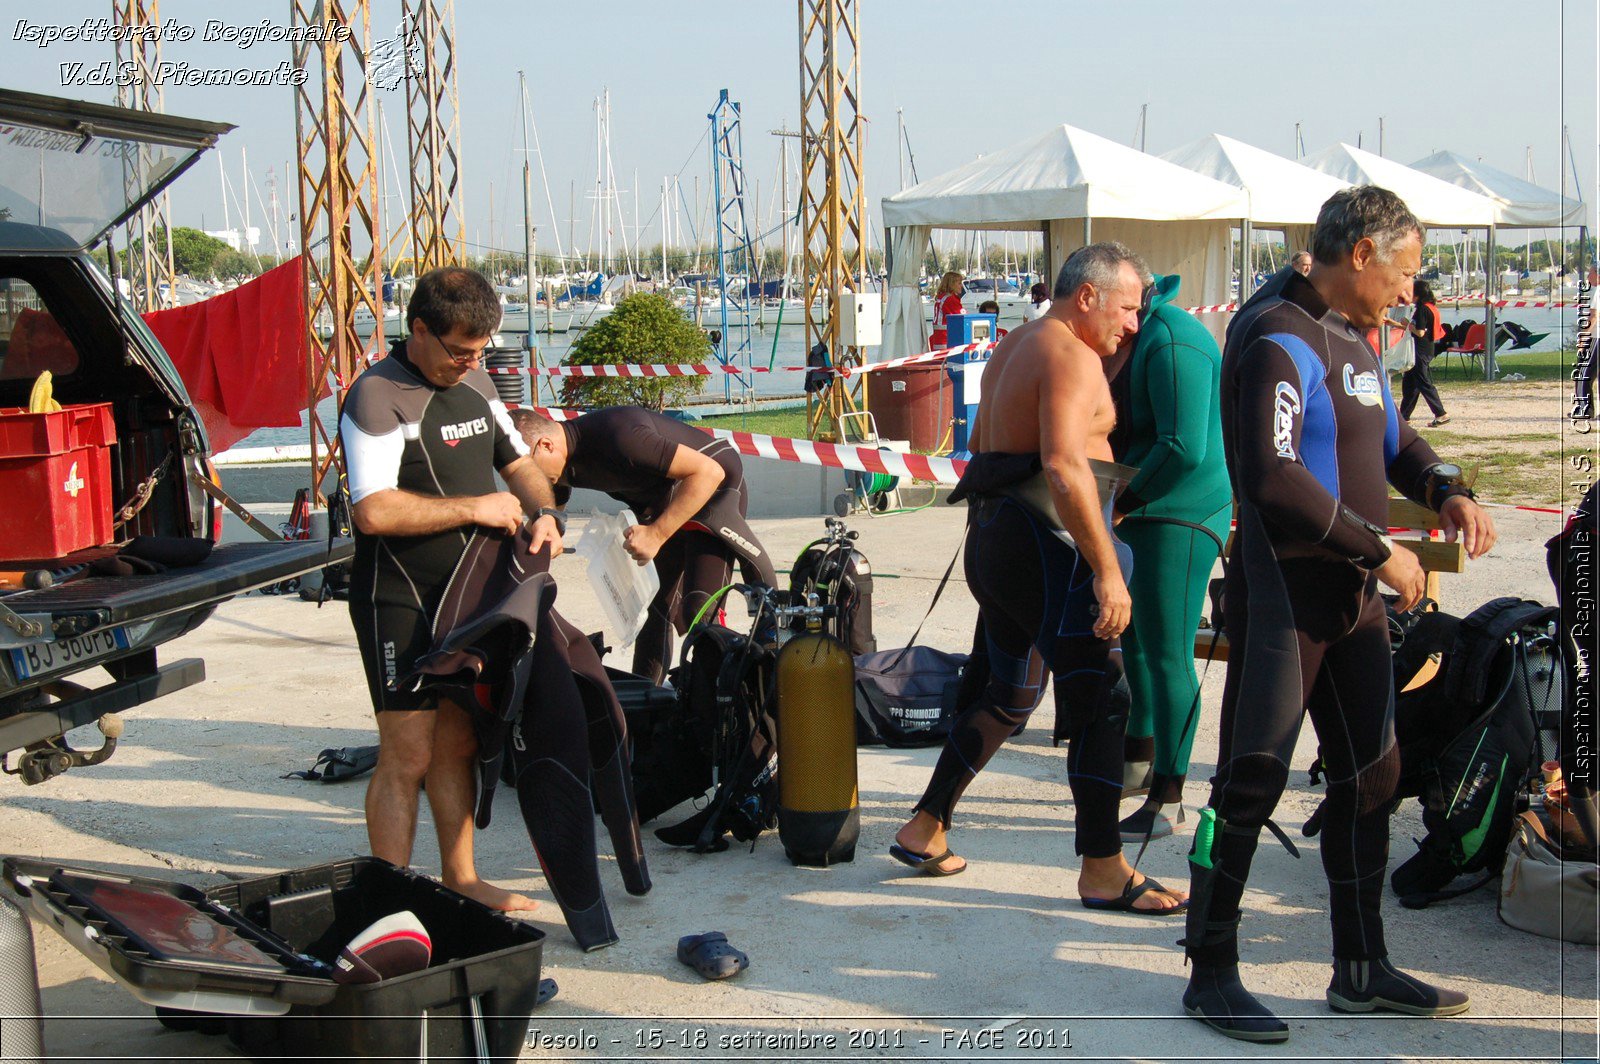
x,y
1041,472
685,486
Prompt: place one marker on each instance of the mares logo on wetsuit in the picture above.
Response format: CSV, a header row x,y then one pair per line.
x,y
388,663
1363,386
463,430
1285,405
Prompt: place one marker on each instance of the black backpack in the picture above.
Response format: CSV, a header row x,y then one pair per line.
x,y
725,735
840,576
1472,737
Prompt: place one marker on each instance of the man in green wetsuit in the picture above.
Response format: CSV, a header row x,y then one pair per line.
x,y
1169,425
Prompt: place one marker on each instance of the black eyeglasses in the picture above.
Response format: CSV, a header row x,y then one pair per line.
x,y
1146,298
469,359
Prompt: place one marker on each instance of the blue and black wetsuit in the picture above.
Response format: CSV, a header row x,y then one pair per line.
x,y
1313,443
1035,592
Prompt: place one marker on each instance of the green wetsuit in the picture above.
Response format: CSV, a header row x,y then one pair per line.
x,y
1169,425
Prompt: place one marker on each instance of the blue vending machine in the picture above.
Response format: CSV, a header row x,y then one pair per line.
x,y
966,373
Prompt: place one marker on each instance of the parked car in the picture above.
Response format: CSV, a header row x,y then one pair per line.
x,y
86,648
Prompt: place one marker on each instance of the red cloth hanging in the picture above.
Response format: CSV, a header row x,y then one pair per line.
x,y
243,354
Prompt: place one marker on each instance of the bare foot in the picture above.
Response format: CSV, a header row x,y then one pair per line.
x,y
1104,879
926,837
495,897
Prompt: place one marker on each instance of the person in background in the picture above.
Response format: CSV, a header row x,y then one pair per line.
x,y
1176,514
1418,380
989,306
1038,302
946,301
1301,262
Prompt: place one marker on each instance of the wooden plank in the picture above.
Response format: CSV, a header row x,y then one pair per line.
x,y
1403,513
1437,556
1203,648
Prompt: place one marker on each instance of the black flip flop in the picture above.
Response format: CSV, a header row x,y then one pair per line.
x,y
1124,903
711,955
927,864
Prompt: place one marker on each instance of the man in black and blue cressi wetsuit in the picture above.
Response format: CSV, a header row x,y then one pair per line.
x,y
1313,443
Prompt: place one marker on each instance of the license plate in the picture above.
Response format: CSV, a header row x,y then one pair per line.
x,y
39,658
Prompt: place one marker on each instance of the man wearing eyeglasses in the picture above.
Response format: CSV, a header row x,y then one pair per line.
x,y
423,435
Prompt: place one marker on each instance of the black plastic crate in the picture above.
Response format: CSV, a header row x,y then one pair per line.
x,y
484,976
478,991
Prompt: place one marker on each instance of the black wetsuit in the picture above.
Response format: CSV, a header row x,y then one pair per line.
x,y
1035,592
1312,442
400,431
549,717
626,452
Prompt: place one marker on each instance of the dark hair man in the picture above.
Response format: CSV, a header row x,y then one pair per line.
x,y
423,434
1313,442
685,487
1044,420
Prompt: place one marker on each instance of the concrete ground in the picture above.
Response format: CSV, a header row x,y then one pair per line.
x,y
998,962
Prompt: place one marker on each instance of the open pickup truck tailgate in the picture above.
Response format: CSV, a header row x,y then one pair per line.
x,y
92,602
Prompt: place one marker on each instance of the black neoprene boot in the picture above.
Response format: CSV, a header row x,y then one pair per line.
x,y
1217,998
1364,986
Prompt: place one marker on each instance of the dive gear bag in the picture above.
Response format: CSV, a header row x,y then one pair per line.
x,y
1471,737
907,697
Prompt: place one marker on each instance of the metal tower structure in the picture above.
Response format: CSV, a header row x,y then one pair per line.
x,y
735,253
433,134
151,275
339,239
832,192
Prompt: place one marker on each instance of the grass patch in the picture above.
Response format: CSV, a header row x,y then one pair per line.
x,y
1535,365
1517,476
790,422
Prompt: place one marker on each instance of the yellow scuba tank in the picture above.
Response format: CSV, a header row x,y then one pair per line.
x,y
819,812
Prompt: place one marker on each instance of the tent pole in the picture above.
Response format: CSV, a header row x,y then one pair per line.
x,y
1087,238
1491,286
1247,260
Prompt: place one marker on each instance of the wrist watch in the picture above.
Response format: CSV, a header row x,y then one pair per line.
x,y
559,516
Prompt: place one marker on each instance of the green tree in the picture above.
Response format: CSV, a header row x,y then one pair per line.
x,y
644,327
230,265
193,252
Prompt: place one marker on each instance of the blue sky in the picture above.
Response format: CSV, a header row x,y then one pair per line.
x,y
1486,80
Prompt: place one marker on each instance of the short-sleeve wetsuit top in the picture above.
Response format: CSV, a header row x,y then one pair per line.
x,y
400,431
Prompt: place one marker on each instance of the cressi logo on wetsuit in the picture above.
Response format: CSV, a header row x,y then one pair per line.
x,y
1363,387
1285,405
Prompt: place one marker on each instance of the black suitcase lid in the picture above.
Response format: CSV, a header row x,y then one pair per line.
x,y
168,943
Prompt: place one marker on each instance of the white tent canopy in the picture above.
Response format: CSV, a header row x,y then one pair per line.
x,y
1062,173
1279,192
1518,203
1074,187
1435,203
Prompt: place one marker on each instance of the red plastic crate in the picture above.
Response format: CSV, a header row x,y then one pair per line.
x,y
55,480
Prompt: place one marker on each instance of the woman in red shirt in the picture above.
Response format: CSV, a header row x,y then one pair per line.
x,y
946,301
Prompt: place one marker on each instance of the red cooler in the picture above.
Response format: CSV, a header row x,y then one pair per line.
x,y
55,481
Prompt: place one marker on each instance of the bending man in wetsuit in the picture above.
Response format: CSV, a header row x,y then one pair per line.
x,y
1313,442
687,490
1044,419
423,434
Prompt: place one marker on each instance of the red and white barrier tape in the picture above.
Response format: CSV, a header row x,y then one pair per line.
x,y
682,369
1515,304
812,452
1220,308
